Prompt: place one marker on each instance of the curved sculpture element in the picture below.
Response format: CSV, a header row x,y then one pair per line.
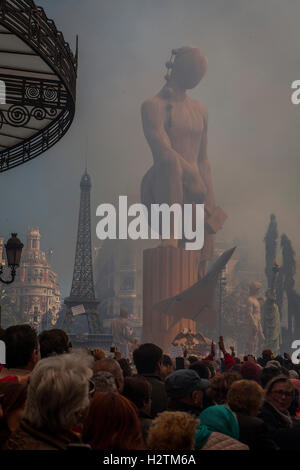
x,y
39,71
195,302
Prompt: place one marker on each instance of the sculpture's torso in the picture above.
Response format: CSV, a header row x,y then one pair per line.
x,y
256,336
254,310
184,123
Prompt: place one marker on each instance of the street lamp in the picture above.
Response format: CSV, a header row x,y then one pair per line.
x,y
13,250
222,291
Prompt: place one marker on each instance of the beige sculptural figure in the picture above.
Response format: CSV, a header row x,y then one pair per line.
x,y
255,333
175,127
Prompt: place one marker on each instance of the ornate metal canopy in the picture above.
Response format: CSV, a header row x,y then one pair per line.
x,y
39,72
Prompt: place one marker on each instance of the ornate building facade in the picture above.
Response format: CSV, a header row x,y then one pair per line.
x,y
118,269
36,286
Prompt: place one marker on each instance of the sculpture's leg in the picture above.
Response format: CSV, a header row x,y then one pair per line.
x,y
163,184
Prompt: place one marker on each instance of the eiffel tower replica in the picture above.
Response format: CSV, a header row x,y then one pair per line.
x,y
82,290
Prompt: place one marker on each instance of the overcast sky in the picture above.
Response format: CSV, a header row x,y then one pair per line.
x,y
254,141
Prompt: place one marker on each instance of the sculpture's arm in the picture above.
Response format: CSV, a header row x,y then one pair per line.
x,y
204,168
155,133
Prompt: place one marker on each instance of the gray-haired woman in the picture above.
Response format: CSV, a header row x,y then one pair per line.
x,y
57,398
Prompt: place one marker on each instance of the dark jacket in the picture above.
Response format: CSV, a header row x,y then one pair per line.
x,y
175,404
146,422
159,394
255,433
5,432
285,434
28,438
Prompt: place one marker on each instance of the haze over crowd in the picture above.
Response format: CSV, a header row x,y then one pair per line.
x,y
253,130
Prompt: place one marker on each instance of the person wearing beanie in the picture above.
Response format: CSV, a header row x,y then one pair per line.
x,y
250,371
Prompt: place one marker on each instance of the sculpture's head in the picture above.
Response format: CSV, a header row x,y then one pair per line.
x,y
187,68
255,287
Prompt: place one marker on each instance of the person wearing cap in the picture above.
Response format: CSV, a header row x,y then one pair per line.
x,y
185,391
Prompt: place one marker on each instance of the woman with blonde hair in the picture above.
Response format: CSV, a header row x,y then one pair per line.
x,y
245,398
218,430
172,430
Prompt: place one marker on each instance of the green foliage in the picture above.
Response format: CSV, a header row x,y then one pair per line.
x,y
9,313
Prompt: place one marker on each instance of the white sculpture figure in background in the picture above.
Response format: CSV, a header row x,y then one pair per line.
x,y
256,336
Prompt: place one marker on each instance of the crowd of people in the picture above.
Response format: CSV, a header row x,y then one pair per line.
x,y
53,398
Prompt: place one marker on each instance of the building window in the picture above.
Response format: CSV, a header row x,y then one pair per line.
x,y
127,283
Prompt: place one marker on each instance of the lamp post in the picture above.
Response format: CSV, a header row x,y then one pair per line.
x,y
13,250
222,288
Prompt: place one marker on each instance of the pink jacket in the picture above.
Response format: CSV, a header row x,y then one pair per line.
x,y
218,441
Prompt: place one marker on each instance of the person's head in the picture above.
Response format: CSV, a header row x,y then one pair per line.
x,y
147,358
267,374
53,342
172,431
192,359
188,68
167,366
58,392
250,371
267,354
22,347
236,368
13,402
112,424
138,390
104,382
220,384
273,363
293,374
280,393
111,365
218,418
245,396
280,359
185,385
201,368
296,384
213,367
254,288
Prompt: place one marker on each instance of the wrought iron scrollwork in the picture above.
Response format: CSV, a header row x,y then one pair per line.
x,y
32,100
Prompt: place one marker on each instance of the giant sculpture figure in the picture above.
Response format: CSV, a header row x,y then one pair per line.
x,y
175,127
